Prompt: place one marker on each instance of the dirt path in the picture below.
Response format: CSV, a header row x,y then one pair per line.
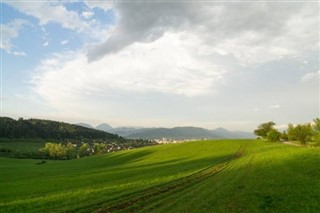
x,y
291,143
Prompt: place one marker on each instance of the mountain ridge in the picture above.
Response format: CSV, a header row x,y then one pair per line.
x,y
179,132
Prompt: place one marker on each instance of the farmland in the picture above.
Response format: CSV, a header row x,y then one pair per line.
x,y
203,176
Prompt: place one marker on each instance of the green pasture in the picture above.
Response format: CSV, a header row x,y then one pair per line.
x,y
22,146
29,146
205,176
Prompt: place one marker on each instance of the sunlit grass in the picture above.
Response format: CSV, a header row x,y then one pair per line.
x,y
266,177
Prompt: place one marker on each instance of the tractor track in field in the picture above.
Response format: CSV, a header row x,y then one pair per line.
x,y
142,196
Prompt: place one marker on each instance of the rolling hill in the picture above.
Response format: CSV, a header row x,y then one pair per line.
x,y
204,176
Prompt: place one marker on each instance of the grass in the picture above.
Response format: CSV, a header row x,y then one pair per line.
x,y
204,176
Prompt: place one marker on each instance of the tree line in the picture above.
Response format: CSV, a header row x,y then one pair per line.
x,y
69,150
304,133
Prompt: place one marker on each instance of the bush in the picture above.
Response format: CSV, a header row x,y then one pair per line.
x,y
274,135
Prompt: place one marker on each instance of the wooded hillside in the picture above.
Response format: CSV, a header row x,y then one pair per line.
x,y
46,129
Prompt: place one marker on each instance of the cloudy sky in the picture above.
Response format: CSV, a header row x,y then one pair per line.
x,y
231,64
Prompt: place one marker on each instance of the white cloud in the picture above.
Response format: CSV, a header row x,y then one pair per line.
x,y
180,53
64,42
19,53
45,44
277,106
105,5
47,12
167,66
311,77
9,32
262,34
281,126
87,14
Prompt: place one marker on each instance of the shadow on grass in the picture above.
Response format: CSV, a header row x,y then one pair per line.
x,y
127,157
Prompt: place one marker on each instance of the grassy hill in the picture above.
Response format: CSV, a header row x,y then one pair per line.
x,y
204,176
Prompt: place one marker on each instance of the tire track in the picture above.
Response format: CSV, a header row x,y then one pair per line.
x,y
182,183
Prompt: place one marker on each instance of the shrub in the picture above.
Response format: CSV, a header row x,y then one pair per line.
x,y
273,135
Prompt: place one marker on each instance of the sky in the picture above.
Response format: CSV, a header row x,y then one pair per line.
x,y
231,64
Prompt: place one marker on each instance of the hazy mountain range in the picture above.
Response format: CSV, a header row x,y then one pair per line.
x,y
187,132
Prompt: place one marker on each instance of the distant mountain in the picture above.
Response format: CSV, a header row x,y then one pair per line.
x,y
174,133
224,133
125,131
242,134
104,127
84,125
180,133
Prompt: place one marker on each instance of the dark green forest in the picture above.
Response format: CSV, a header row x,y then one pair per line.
x,y
49,130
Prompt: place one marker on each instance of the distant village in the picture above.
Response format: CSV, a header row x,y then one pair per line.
x,y
169,141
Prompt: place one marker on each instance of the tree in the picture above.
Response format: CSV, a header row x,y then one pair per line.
x,y
83,150
300,132
316,131
264,128
316,125
71,151
284,136
273,135
291,132
54,150
99,148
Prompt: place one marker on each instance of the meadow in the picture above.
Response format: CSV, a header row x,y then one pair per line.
x,y
25,146
203,176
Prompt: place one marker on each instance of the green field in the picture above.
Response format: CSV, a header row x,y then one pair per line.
x,y
24,146
205,176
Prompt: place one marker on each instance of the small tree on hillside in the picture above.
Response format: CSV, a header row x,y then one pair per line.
x,y
264,128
